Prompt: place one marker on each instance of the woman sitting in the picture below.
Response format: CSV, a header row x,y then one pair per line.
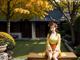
x,y
53,41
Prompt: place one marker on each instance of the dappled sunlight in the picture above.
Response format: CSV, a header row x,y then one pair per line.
x,y
20,57
38,54
26,44
39,42
42,42
41,53
35,43
22,11
24,48
64,54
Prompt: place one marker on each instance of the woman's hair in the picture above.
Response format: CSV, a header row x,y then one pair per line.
x,y
53,23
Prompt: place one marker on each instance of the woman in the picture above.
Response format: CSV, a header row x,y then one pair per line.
x,y
53,42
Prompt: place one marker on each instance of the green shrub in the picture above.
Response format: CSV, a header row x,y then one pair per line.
x,y
77,50
7,39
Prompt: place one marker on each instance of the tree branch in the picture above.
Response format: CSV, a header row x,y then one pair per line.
x,y
76,11
68,6
60,9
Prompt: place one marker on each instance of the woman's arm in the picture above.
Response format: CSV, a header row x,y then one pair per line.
x,y
59,43
48,47
48,40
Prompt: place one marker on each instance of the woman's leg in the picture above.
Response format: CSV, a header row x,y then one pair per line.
x,y
49,52
49,55
55,55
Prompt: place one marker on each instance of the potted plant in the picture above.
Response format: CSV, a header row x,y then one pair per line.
x,y
7,43
3,45
7,39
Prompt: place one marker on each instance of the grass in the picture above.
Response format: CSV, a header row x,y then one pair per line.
x,y
23,48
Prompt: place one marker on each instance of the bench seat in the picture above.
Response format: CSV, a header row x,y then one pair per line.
x,y
63,56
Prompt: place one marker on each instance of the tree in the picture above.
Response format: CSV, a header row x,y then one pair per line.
x,y
19,9
70,10
7,10
36,8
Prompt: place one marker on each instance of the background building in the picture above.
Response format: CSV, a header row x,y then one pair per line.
x,y
31,29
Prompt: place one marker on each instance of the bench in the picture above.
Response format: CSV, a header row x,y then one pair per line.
x,y
63,56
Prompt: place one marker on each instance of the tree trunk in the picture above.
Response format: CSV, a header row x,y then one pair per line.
x,y
8,16
8,26
72,34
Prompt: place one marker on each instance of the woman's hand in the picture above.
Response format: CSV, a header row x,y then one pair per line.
x,y
49,49
56,49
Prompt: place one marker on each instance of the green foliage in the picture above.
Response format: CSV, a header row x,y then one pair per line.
x,y
70,10
2,42
65,28
77,25
77,50
78,58
8,43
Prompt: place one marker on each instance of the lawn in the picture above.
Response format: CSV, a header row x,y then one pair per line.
x,y
23,48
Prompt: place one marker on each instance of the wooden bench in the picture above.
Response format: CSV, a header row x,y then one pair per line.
x,y
63,56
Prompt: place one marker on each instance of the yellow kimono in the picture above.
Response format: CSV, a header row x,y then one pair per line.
x,y
54,42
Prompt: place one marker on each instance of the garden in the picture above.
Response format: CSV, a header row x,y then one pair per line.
x,y
19,49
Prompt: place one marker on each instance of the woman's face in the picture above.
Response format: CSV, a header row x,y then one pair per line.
x,y
52,28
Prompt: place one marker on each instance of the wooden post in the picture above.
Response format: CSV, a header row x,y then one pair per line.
x,y
33,31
